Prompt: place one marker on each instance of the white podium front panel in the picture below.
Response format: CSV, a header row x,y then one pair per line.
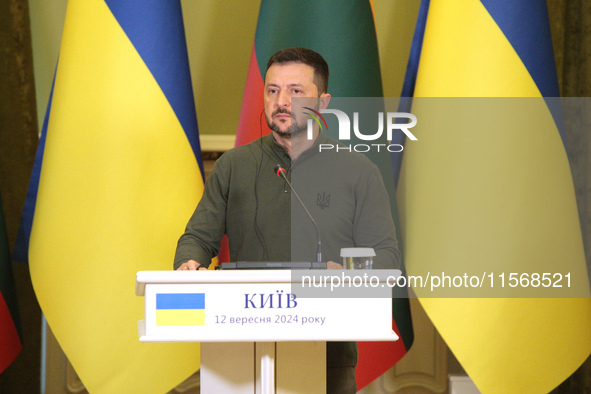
x,y
252,306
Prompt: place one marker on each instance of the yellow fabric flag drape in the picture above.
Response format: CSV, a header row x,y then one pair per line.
x,y
118,182
479,191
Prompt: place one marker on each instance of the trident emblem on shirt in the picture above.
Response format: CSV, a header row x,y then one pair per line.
x,y
323,200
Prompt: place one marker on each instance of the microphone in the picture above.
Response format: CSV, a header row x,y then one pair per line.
x,y
281,172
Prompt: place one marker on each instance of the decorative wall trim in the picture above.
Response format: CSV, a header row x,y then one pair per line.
x,y
217,142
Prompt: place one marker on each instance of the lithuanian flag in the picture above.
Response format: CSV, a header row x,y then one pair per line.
x,y
489,192
344,34
119,177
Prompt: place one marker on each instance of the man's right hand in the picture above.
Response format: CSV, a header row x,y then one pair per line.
x,y
191,265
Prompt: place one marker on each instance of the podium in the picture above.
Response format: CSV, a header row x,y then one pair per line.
x,y
257,333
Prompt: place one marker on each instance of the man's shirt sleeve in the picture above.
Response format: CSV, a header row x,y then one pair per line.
x,y
206,228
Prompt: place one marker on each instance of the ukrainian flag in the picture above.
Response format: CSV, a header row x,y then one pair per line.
x,y
494,193
183,309
119,178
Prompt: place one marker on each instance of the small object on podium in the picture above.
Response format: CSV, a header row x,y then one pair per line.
x,y
357,258
274,265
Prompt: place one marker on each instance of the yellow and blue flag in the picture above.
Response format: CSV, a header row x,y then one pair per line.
x,y
180,309
490,195
119,174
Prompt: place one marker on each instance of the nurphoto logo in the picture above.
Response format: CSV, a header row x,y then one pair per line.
x,y
395,121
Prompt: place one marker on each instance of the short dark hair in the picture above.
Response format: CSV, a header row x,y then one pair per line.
x,y
307,57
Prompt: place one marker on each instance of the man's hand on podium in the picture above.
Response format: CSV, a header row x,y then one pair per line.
x,y
331,265
191,265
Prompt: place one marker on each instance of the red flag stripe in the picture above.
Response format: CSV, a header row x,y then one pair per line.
x,y
10,343
252,105
375,358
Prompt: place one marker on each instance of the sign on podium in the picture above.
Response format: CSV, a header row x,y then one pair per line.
x,y
258,333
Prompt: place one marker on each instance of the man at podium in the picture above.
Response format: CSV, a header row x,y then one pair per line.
x,y
248,197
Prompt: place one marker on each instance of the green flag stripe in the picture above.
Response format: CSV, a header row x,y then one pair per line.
x,y
350,49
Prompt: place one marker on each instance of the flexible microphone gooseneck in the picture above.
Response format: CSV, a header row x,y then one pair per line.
x,y
281,172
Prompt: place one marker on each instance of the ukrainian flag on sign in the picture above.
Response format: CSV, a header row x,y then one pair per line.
x,y
186,309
